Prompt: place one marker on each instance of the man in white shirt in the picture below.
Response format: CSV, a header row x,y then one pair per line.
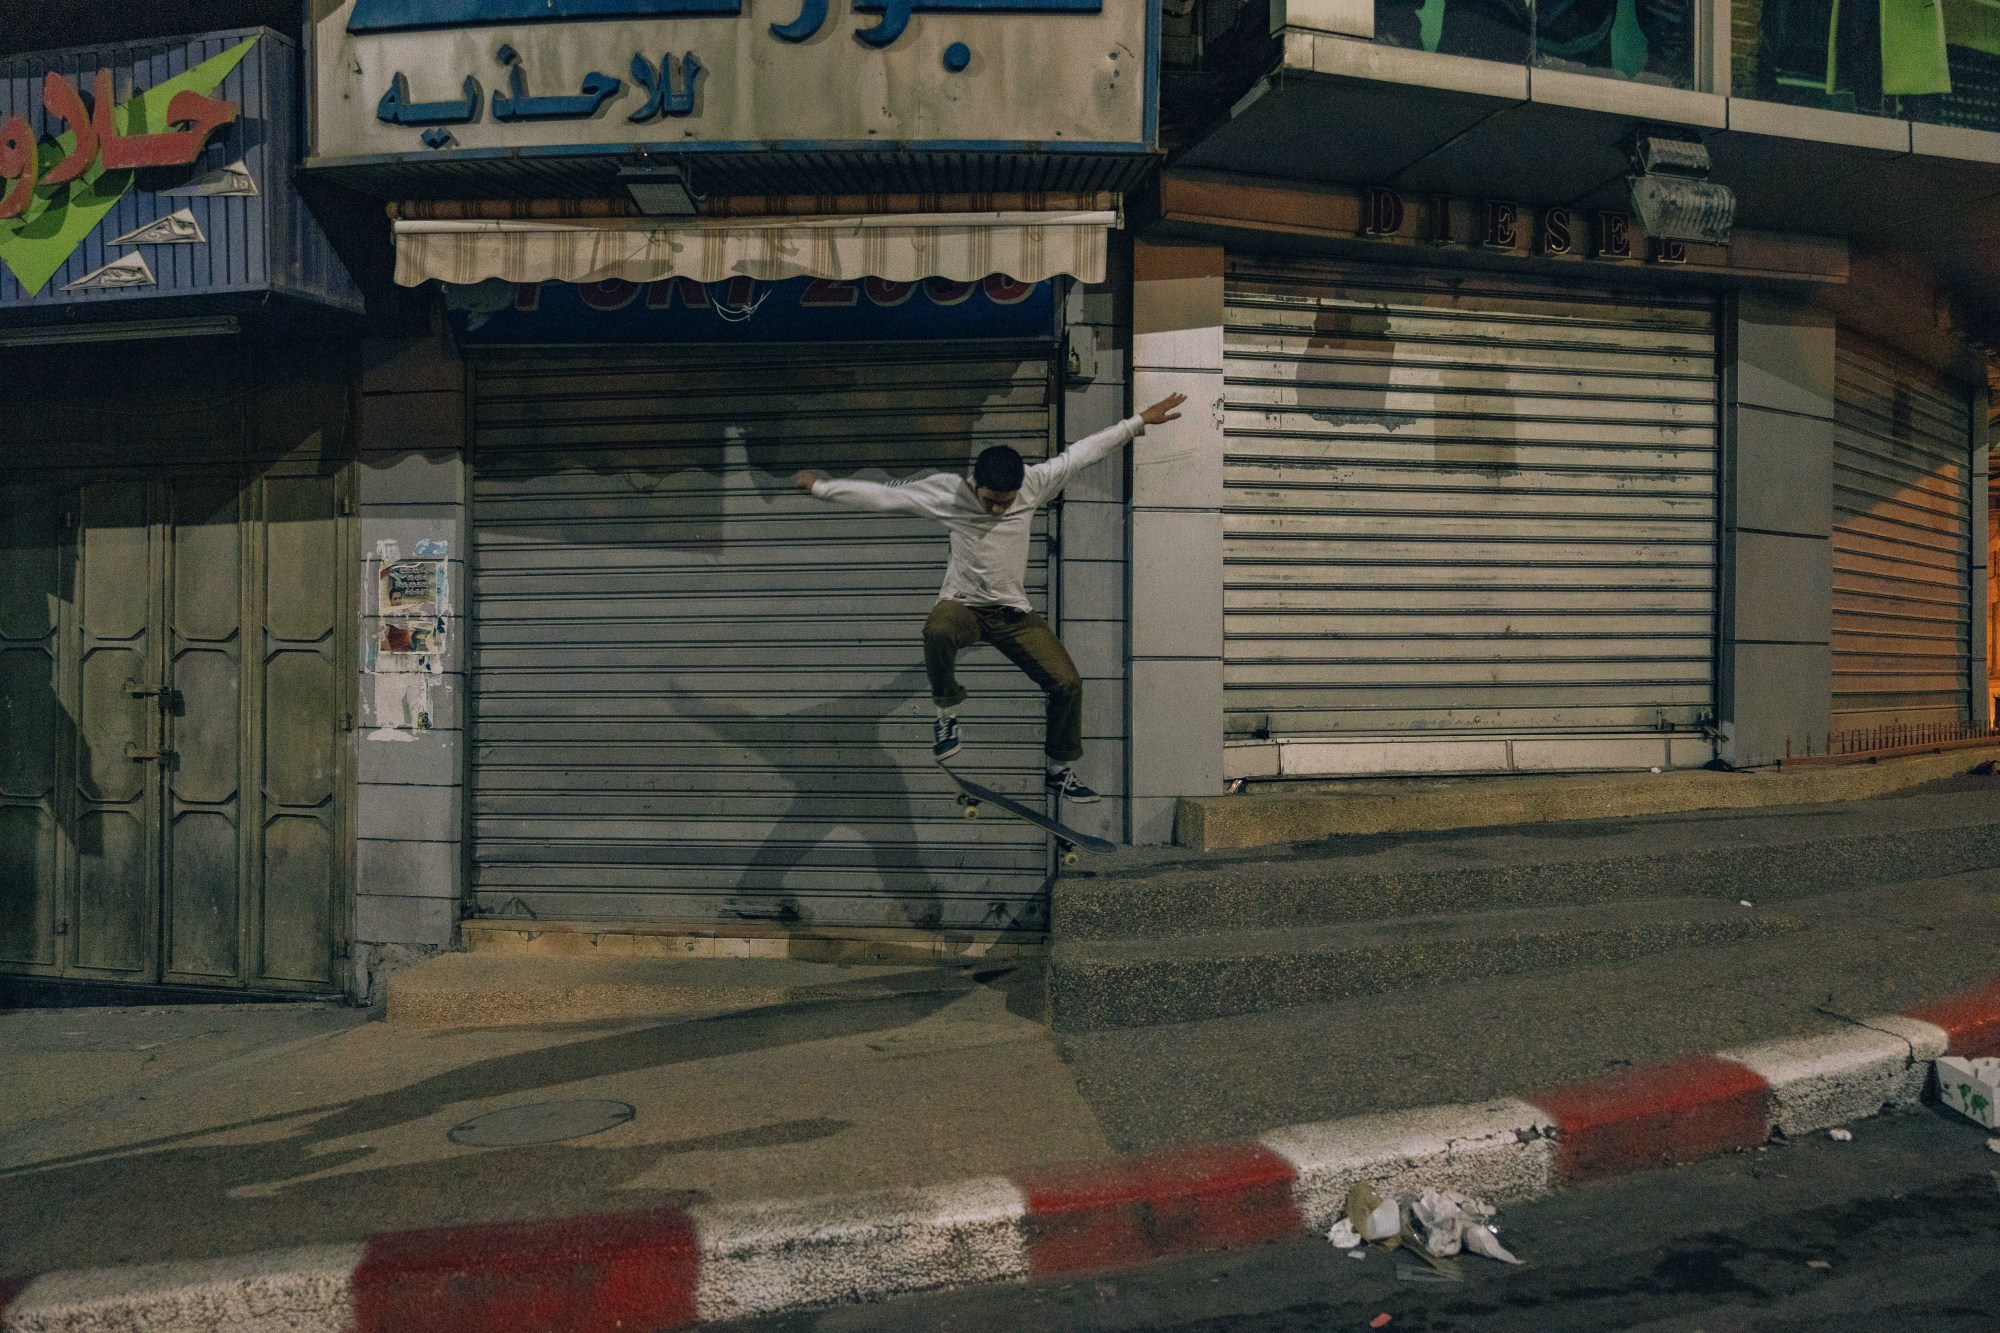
x,y
990,516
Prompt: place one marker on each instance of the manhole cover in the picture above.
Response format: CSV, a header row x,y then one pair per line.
x,y
544,1122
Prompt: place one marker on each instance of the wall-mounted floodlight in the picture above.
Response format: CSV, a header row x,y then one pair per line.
x,y
1671,194
659,191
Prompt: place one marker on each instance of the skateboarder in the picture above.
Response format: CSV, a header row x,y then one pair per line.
x,y
990,515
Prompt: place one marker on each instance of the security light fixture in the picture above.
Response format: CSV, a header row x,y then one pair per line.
x,y
658,190
1670,157
1671,194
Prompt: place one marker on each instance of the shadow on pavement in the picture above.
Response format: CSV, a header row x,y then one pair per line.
x,y
171,1197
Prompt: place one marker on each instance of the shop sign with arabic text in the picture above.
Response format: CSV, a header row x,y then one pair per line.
x,y
65,164
156,169
442,77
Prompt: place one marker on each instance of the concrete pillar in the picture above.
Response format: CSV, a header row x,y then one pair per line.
x,y
1775,683
410,804
1175,545
1977,630
1091,577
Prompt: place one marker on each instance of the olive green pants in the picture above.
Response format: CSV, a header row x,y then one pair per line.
x,y
1026,640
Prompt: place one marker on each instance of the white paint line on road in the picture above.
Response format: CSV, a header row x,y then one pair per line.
x,y
763,1258
1847,1074
1499,1150
308,1290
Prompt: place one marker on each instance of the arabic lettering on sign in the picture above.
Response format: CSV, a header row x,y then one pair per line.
x,y
373,16
97,140
515,104
663,98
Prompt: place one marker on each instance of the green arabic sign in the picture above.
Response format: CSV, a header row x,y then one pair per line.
x,y
35,245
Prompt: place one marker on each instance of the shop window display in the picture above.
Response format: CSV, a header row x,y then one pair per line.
x,y
1649,40
1914,59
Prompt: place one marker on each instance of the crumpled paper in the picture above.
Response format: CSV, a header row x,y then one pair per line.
x,y
1447,1222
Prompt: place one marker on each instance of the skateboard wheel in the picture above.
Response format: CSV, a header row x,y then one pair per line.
x,y
971,809
1069,858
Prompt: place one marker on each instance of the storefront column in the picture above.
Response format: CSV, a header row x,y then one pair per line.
x,y
1093,620
1776,672
1176,536
409,811
1978,630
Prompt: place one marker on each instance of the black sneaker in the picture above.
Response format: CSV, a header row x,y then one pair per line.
x,y
944,742
1066,785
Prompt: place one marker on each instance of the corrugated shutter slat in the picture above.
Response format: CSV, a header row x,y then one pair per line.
x,y
1902,541
1465,505
699,694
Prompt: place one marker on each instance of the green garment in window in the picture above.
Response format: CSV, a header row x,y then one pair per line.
x,y
1974,24
1913,48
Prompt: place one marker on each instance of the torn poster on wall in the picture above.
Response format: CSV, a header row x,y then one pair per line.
x,y
407,649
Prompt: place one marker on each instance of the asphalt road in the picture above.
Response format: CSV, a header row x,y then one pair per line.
x,y
1899,1229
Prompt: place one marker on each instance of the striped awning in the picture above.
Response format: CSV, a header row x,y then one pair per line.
x,y
962,247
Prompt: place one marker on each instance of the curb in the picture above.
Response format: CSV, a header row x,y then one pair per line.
x,y
1401,805
672,1268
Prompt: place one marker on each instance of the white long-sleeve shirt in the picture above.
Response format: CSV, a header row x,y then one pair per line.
x,y
989,555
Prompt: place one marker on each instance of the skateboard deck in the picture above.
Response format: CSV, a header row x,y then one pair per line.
x,y
971,795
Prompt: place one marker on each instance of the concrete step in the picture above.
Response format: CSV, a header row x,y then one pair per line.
x,y
502,990
1116,983
1290,813
1766,856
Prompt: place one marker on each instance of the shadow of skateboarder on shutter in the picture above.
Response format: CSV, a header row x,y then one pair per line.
x,y
841,778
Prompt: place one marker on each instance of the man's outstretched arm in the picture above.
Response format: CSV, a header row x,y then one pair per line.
x,y
922,496
1055,474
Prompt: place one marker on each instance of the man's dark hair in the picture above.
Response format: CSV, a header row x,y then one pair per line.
x,y
999,469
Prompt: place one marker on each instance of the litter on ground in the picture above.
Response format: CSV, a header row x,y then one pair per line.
x,y
1841,1135
1373,1216
1480,1239
1438,1225
1971,1088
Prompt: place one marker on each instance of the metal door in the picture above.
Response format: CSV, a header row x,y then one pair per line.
x,y
698,693
1461,506
170,791
1902,541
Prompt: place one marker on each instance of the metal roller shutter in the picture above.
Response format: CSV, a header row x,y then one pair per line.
x,y
1902,541
1465,506
699,694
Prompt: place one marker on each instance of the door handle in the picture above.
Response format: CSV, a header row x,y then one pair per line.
x,y
149,756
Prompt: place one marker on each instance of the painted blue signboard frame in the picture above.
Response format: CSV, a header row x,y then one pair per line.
x,y
224,226
679,310
404,15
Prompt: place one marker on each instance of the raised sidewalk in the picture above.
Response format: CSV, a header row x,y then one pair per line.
x,y
259,1169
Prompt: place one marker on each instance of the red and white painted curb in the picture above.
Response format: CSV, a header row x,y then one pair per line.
x,y
673,1268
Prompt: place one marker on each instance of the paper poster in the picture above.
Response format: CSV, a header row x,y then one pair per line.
x,y
411,586
410,639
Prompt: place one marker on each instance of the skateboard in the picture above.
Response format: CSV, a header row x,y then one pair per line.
x,y
971,796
